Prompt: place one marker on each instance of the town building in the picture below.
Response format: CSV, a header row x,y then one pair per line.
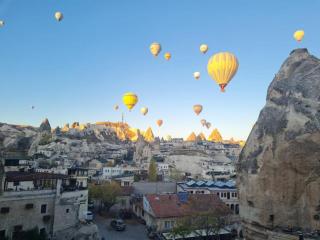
x,y
226,191
54,203
162,211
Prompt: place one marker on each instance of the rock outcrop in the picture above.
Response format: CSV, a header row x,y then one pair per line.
x,y
279,167
192,137
215,136
45,126
148,135
201,137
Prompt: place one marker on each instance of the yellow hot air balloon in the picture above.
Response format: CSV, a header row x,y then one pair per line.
x,y
197,108
116,107
58,16
167,56
130,100
144,110
222,67
196,75
298,35
155,48
1,23
204,48
159,122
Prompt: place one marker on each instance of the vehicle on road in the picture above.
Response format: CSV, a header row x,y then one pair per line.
x,y
88,216
118,224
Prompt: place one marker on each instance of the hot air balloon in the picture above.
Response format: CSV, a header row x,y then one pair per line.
x,y
1,23
203,122
144,110
155,48
208,125
222,67
159,122
196,75
298,35
167,56
130,100
58,16
32,107
197,108
204,48
116,107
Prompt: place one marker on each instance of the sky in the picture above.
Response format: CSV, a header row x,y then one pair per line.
x,y
79,68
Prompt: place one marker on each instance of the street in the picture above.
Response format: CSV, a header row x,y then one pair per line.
x,y
134,230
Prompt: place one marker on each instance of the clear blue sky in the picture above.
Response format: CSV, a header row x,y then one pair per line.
x,y
76,70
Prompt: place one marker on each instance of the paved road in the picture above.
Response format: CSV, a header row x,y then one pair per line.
x,y
134,230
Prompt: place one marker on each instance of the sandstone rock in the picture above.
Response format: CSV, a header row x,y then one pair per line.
x,y
45,126
148,135
201,137
192,137
279,167
215,136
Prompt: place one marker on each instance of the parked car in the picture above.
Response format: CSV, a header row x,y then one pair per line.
x,y
88,216
118,224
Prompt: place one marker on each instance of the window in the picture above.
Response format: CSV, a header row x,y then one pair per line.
x,y
237,208
218,194
17,228
67,210
142,213
2,234
126,184
42,232
29,206
43,208
5,210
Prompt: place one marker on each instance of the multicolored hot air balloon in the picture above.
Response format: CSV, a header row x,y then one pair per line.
x,y
116,107
58,16
155,48
197,109
298,35
144,110
1,23
196,75
222,67
204,48
203,122
130,100
208,125
159,122
167,56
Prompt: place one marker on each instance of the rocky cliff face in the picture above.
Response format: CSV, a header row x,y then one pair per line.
x,y
215,136
279,167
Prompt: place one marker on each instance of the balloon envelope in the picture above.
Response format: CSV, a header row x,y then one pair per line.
x,y
298,35
196,75
155,48
197,109
159,122
222,67
167,56
116,107
144,110
203,122
204,48
130,100
1,23
58,16
208,125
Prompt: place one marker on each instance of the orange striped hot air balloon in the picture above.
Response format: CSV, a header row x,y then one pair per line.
x,y
159,122
197,109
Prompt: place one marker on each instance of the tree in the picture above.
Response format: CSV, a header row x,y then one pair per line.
x,y
202,219
152,177
106,193
176,175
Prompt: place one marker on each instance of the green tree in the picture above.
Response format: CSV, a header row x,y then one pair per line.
x,y
202,219
152,177
176,175
106,193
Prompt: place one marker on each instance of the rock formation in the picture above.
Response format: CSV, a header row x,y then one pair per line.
x,y
215,136
148,135
279,167
201,137
192,137
45,126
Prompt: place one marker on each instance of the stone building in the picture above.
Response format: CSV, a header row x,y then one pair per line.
x,y
42,200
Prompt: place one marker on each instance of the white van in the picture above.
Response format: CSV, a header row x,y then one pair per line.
x,y
88,216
